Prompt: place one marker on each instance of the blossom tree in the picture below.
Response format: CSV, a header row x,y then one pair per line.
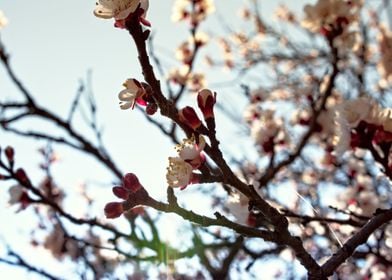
x,y
304,191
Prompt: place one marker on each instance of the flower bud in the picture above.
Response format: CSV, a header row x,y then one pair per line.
x,y
120,192
9,153
21,176
151,108
206,100
131,183
189,117
113,210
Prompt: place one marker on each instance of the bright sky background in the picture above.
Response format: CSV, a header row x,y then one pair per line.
x,y
52,45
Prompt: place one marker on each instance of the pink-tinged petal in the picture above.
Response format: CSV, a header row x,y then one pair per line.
x,y
141,101
197,162
144,22
189,117
120,192
113,210
193,180
119,23
131,182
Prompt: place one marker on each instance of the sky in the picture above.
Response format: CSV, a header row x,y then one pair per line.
x,y
53,44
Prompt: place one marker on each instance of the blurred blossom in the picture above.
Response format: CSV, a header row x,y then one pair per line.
x,y
59,245
193,11
268,130
179,75
3,20
284,14
328,13
384,65
184,53
15,193
200,39
196,81
190,157
237,204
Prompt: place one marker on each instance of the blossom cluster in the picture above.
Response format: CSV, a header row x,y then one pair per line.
x,y
328,15
190,157
193,10
185,54
266,129
131,192
343,123
360,197
348,117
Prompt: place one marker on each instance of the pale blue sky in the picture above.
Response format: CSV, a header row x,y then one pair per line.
x,y
52,45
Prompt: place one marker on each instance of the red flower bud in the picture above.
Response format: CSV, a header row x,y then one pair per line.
x,y
120,192
189,117
206,100
131,182
21,176
113,210
9,153
151,108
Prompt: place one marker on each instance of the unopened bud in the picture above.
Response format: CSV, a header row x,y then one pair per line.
x,y
9,153
113,210
21,176
120,192
151,108
206,101
131,182
189,117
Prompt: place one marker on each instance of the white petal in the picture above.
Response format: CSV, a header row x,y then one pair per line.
x,y
125,105
131,84
127,95
103,12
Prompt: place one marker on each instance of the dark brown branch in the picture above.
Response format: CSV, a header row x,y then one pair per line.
x,y
381,217
20,262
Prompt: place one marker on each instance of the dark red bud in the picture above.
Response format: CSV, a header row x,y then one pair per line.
x,y
9,153
189,117
131,182
21,176
113,210
120,192
151,108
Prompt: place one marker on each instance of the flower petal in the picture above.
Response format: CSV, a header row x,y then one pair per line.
x,y
103,12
